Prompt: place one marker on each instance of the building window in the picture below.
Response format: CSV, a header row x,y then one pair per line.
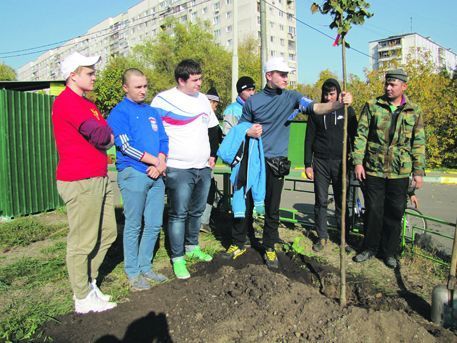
x,y
229,42
272,25
228,15
205,10
216,6
281,13
272,53
292,30
228,2
290,17
291,45
217,33
228,28
281,41
292,57
281,27
272,39
216,20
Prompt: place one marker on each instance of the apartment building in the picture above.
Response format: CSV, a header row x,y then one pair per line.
x,y
398,48
118,35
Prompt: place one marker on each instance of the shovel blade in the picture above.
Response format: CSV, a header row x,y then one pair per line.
x,y
444,306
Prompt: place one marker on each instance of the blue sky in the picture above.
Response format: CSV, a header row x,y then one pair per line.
x,y
29,23
391,17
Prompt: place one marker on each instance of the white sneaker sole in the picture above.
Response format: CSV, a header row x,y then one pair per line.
x,y
106,308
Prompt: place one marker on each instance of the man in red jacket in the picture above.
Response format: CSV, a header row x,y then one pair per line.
x,y
82,138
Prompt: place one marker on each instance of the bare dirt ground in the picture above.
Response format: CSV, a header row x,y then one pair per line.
x,y
243,301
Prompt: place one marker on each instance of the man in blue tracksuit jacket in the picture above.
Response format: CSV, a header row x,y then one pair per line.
x,y
141,151
270,112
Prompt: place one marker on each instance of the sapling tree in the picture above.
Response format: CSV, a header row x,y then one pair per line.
x,y
344,13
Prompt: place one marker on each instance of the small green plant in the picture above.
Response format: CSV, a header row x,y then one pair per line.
x,y
298,246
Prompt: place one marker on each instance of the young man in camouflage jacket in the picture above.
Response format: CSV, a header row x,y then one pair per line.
x,y
389,146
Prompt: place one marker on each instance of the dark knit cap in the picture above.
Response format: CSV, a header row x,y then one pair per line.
x,y
212,94
245,82
398,74
328,85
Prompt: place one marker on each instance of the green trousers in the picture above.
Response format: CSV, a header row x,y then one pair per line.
x,y
92,228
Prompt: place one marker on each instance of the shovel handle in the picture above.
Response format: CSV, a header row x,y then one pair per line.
x,y
452,280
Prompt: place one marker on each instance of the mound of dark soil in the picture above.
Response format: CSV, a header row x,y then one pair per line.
x,y
243,301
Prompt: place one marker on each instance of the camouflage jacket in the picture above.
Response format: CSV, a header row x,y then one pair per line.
x,y
406,152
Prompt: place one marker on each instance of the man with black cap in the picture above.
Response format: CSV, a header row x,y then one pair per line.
x,y
245,87
215,137
388,148
323,162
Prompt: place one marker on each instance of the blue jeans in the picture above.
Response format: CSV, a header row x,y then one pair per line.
x,y
187,192
142,197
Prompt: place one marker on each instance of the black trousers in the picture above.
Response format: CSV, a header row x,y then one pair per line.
x,y
326,171
385,203
242,226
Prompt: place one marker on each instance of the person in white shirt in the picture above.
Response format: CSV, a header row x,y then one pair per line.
x,y
187,117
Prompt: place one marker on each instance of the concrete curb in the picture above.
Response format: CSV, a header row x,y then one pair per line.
x,y
447,180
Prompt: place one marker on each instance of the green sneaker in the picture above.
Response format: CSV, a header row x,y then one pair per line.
x,y
180,269
198,254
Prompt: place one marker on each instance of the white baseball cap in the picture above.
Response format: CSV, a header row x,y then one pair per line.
x,y
75,60
277,64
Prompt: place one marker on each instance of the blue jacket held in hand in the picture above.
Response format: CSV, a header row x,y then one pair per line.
x,y
231,153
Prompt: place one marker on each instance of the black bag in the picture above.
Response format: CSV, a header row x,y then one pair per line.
x,y
280,166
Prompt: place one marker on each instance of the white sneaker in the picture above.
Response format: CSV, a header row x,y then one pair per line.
x,y
92,303
93,285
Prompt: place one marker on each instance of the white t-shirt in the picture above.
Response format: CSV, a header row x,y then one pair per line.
x,y
186,119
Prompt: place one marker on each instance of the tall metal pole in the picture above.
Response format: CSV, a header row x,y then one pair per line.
x,y
263,39
235,50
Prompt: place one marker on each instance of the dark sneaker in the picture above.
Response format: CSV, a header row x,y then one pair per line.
x,y
391,262
271,259
233,252
139,283
364,256
348,249
319,245
156,277
205,228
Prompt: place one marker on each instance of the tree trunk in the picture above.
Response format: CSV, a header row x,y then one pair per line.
x,y
344,190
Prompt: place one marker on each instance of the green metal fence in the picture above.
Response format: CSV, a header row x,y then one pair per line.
x,y
297,144
28,157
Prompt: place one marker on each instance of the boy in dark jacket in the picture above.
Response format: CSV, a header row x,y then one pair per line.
x,y
323,157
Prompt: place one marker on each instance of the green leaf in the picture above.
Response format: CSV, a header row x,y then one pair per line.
x,y
314,7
